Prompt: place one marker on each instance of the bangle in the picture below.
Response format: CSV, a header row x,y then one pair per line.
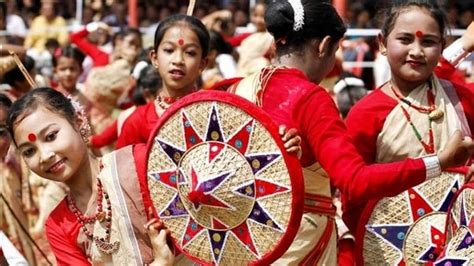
x,y
455,53
433,167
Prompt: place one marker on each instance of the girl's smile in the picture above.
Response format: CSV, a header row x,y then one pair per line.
x,y
58,151
412,57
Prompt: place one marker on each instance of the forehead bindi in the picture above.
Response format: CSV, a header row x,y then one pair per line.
x,y
182,36
418,22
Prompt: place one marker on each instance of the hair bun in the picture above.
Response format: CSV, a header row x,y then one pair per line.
x,y
279,18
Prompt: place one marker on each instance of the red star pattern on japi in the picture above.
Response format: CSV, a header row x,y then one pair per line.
x,y
409,228
220,184
459,247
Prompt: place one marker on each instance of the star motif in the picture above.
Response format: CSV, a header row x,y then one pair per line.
x,y
240,140
169,178
191,137
192,230
202,189
436,246
419,206
174,153
201,192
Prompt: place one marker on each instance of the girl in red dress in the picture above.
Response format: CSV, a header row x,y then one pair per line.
x,y
412,115
102,218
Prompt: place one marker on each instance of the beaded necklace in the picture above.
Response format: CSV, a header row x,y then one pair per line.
x,y
164,102
433,112
428,147
102,243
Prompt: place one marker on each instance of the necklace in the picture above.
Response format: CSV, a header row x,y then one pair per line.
x,y
165,102
433,112
428,147
102,243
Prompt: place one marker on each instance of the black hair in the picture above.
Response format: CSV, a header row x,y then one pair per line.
x,y
16,75
69,52
5,102
193,23
391,14
48,98
320,20
349,95
134,31
218,43
148,80
52,43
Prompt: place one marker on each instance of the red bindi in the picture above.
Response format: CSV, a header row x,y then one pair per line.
x,y
181,42
32,137
419,34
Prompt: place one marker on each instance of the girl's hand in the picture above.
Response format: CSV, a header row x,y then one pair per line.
x,y
163,254
457,152
292,140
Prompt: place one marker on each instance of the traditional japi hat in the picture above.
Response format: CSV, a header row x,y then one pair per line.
x,y
221,181
459,247
409,227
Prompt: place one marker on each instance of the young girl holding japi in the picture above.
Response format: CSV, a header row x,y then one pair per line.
x,y
412,115
102,219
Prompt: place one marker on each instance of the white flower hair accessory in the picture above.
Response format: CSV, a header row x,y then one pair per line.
x,y
85,129
298,11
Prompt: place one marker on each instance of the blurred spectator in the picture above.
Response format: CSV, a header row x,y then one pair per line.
x,y
221,65
13,24
255,52
45,26
118,18
240,18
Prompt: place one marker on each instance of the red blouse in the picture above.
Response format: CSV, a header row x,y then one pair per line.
x,y
365,121
138,127
291,99
62,227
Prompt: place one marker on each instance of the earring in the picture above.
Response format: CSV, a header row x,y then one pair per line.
x,y
85,133
384,52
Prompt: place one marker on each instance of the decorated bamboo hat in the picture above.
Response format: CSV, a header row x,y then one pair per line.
x,y
408,228
459,247
221,181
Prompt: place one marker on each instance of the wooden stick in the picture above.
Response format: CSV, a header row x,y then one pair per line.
x,y
23,69
191,5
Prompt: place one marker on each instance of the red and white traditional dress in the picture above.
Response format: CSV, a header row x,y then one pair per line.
x,y
291,99
381,130
123,178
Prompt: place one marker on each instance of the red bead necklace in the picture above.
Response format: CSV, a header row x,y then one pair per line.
x,y
164,102
102,243
428,147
